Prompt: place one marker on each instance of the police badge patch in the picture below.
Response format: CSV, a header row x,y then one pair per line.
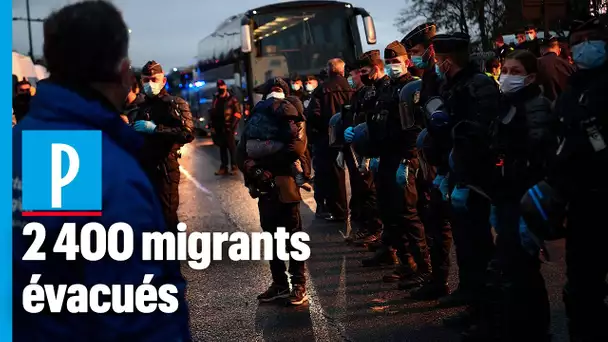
x,y
417,97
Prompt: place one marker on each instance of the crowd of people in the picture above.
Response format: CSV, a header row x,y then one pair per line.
x,y
442,152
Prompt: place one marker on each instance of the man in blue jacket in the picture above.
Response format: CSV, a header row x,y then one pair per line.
x,y
85,46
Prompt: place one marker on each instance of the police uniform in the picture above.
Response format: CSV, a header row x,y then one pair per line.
x,y
579,177
403,229
363,202
433,211
159,157
370,95
470,104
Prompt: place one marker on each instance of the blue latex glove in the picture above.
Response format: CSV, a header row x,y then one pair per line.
x,y
349,134
459,197
441,182
493,218
402,175
144,126
373,164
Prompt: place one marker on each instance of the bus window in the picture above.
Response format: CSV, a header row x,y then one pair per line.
x,y
303,37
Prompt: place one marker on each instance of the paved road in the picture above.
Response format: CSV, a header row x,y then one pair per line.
x,y
347,302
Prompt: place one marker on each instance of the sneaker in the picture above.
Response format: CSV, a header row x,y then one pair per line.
x,y
399,274
368,239
430,291
414,280
274,292
360,234
221,172
298,295
382,257
234,170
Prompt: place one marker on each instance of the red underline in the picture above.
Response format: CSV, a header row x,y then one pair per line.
x,y
60,213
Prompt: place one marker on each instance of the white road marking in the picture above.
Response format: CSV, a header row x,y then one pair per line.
x,y
318,316
195,182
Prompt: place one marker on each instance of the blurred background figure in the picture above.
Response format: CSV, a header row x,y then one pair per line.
x,y
493,68
225,114
297,87
553,71
22,98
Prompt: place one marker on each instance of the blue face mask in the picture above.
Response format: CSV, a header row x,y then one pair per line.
x,y
351,83
439,73
419,62
590,54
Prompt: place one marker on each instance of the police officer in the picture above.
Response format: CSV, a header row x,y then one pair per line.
x,y
373,77
578,177
363,201
553,71
403,229
470,104
501,50
434,212
528,40
167,122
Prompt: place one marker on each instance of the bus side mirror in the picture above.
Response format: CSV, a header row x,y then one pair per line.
x,y
246,39
370,29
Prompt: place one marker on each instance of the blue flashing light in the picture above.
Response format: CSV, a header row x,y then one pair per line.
x,y
190,85
186,76
199,84
181,85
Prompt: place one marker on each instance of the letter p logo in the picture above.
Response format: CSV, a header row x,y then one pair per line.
x,y
62,171
58,181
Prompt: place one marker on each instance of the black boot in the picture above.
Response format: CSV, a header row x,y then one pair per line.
x,y
383,257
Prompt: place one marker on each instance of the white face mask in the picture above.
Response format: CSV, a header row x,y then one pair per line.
x,y
396,70
276,95
152,88
512,83
309,88
296,87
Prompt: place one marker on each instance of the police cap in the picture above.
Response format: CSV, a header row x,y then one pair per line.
x,y
422,34
450,43
368,58
551,40
394,49
152,68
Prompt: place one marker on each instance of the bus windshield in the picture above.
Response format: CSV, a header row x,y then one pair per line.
x,y
300,41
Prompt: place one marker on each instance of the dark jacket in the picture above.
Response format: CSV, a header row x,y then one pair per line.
x,y
132,108
579,169
524,141
127,196
279,164
326,101
396,143
225,114
553,74
473,99
532,46
174,128
21,105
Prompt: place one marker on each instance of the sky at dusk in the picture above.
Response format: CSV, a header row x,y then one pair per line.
x,y
169,31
